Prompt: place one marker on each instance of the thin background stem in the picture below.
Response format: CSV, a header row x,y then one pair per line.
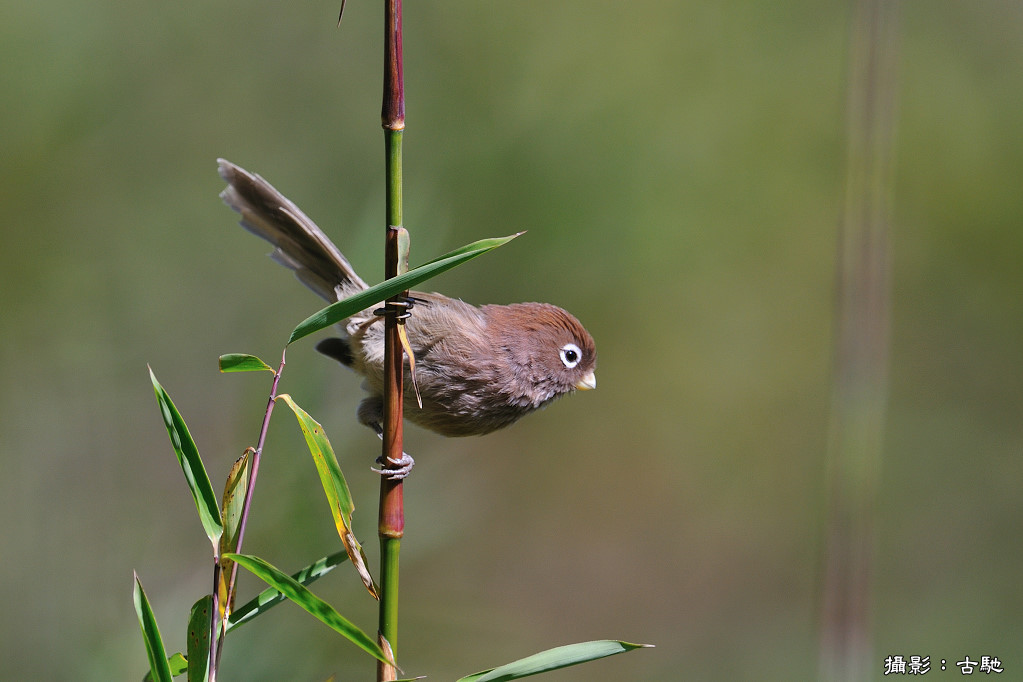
x,y
860,384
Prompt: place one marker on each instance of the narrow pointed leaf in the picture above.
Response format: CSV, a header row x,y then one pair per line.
x,y
159,668
552,659
323,611
200,622
191,464
336,312
178,666
336,488
270,597
472,250
242,362
231,512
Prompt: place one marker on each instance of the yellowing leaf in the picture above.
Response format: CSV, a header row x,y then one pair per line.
x,y
335,487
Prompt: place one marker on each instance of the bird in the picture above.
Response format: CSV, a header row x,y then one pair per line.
x,y
477,369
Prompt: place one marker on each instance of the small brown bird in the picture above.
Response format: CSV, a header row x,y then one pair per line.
x,y
477,369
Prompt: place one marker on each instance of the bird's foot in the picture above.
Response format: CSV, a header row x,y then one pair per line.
x,y
395,470
401,307
392,469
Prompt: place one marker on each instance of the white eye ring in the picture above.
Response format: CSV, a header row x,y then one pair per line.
x,y
571,355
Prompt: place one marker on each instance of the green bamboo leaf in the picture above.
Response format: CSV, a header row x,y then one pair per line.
x,y
323,611
341,310
200,622
552,659
191,464
270,597
333,480
336,488
158,666
242,362
178,666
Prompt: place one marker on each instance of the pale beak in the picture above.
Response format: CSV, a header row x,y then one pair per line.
x,y
587,382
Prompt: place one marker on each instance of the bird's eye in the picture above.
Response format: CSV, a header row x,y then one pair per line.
x,y
571,355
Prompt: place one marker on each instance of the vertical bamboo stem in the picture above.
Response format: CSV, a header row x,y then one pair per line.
x,y
391,518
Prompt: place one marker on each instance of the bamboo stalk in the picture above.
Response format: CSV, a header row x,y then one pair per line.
x,y
391,518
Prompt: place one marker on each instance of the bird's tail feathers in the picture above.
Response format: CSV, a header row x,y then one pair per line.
x,y
300,244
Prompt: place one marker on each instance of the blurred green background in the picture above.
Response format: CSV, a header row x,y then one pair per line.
x,y
680,169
